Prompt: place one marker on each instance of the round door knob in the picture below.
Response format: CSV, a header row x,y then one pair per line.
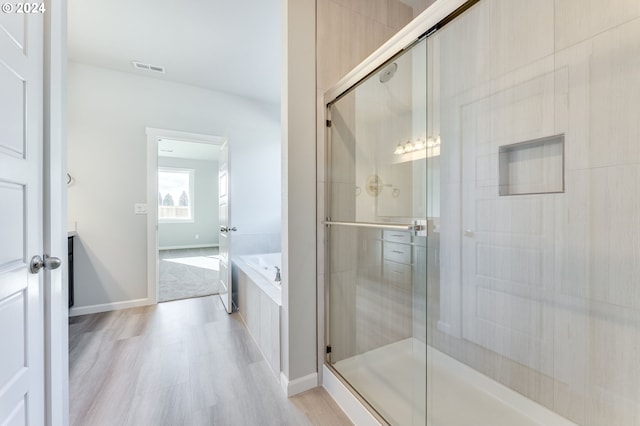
x,y
51,262
37,263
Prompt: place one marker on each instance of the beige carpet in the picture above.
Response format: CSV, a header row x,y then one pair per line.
x,y
188,273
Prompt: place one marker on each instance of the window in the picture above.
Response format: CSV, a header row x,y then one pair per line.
x,y
175,195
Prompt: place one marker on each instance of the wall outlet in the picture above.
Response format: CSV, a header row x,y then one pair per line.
x,y
197,236
140,208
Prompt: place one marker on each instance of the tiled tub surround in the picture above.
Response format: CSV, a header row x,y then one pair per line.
x,y
259,304
540,291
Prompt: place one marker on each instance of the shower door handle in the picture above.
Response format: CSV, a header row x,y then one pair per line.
x,y
420,228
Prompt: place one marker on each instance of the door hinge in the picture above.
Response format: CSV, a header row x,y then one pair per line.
x,y
328,351
328,123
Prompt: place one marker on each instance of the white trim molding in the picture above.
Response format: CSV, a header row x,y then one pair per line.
x,y
106,307
299,385
55,291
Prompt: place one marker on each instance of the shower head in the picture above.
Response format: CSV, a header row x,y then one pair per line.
x,y
388,72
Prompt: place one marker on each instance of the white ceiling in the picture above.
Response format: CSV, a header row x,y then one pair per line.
x,y
226,45
189,150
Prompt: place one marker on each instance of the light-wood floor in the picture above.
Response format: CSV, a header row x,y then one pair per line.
x,y
180,363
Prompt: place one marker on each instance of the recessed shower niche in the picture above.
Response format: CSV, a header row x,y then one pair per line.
x,y
532,167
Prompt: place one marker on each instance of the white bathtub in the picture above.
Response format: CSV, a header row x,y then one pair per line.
x,y
266,265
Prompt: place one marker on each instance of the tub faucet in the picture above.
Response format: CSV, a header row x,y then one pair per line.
x,y
277,279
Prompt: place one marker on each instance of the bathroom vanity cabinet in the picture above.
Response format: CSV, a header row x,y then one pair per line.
x,y
70,238
396,252
382,295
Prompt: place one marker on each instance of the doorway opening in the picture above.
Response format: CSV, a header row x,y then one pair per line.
x,y
183,215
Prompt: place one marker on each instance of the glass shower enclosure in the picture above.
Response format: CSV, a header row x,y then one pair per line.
x,y
379,149
482,233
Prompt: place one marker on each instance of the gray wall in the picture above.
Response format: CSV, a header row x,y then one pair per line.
x,y
109,112
299,190
205,219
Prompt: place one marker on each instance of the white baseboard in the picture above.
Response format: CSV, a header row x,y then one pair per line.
x,y
297,386
106,307
352,407
190,246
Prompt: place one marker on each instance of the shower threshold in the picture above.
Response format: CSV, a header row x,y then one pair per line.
x,y
459,395
392,379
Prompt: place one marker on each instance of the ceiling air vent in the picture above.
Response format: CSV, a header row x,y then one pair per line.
x,y
147,67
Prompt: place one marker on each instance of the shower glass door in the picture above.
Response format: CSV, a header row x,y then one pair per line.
x,y
381,158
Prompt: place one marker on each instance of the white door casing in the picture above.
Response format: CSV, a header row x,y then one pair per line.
x,y
21,293
226,288
154,135
55,213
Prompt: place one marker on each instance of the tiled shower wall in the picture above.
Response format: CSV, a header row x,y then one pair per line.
x,y
350,30
541,291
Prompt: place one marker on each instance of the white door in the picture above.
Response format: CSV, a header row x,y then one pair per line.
x,y
21,292
226,289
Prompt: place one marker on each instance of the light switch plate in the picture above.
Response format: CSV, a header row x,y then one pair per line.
x,y
140,208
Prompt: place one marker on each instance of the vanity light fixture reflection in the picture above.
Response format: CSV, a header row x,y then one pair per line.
x,y
417,145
